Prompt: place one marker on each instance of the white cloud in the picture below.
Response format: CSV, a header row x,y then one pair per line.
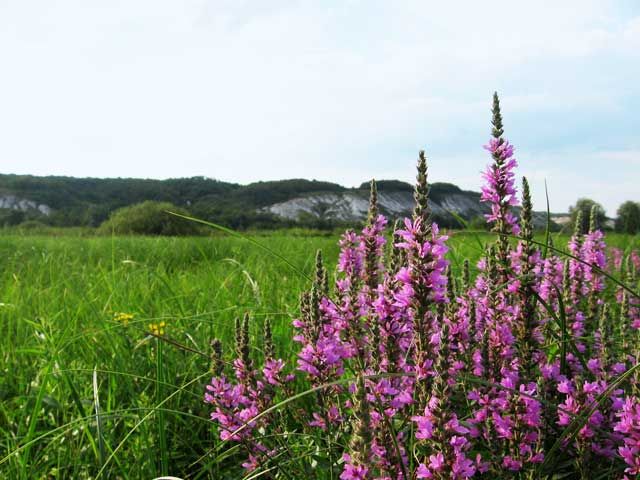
x,y
249,90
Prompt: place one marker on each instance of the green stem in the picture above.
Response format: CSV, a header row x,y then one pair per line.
x,y
164,460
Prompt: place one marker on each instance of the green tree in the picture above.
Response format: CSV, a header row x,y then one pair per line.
x,y
149,218
628,217
10,217
585,205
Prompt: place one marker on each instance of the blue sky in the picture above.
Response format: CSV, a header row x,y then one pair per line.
x,y
341,91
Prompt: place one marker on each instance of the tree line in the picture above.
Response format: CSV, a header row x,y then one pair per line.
x,y
92,202
627,218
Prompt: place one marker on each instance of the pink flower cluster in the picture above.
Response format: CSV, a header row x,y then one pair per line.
x,y
414,373
499,189
629,426
237,405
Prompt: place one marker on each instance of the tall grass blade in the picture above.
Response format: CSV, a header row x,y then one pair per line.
x,y
162,434
246,238
96,406
547,232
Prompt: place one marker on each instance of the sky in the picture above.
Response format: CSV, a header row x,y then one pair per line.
x,y
342,91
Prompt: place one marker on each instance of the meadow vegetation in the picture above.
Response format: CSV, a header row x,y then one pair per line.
x,y
72,306
65,309
421,354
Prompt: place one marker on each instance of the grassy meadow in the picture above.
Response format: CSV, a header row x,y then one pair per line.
x,y
86,392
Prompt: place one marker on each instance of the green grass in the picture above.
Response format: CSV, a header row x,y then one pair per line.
x,y
82,394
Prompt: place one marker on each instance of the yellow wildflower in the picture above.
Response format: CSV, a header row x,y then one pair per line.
x,y
123,317
157,328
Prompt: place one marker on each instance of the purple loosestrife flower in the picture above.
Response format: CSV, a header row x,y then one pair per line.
x,y
414,337
593,254
551,272
440,434
272,371
525,263
521,415
460,327
634,313
358,460
237,404
324,360
395,325
616,258
422,280
360,263
353,472
427,257
595,436
320,328
422,284
396,336
495,322
332,416
629,319
448,440
499,189
508,418
628,425
635,259
351,260
372,244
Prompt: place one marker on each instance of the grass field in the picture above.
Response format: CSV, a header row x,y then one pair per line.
x,y
86,392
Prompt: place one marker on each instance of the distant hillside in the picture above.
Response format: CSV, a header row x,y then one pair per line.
x,y
395,200
68,201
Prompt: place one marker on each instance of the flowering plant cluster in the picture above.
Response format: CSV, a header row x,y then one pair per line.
x,y
514,372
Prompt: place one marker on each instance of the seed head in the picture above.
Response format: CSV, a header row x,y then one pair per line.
x,y
496,121
421,193
217,366
269,349
578,228
593,219
361,438
373,203
526,219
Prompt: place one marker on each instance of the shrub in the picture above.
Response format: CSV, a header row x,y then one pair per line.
x,y
581,213
628,219
149,218
10,217
33,225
